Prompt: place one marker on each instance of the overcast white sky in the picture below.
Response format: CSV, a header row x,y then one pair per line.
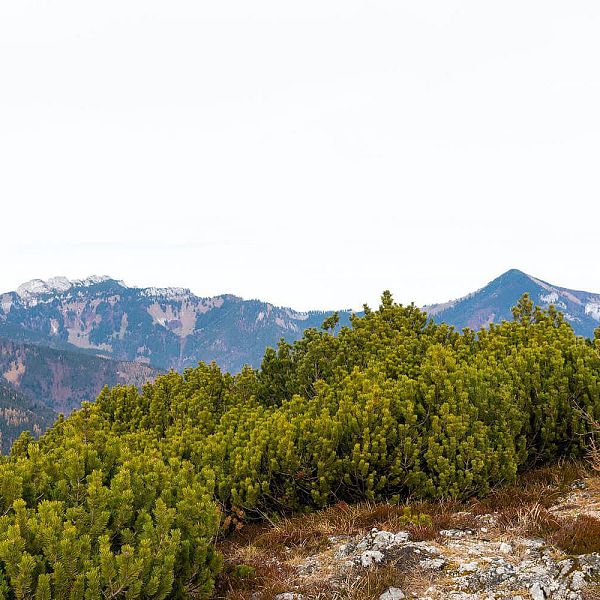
x,y
308,153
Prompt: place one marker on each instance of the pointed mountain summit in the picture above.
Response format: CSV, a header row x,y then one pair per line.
x,y
493,303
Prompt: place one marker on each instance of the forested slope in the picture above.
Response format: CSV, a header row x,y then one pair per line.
x,y
124,498
62,379
19,413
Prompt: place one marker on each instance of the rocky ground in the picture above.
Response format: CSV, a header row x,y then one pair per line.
x,y
532,550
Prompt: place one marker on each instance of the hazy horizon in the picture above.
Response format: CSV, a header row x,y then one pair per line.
x,y
311,155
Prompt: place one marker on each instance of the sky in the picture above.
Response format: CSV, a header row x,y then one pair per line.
x,y
307,153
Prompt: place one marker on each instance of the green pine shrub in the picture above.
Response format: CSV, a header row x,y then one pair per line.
x,y
124,498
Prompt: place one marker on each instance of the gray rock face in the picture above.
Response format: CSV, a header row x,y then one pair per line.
x,y
392,593
465,565
433,564
537,592
370,558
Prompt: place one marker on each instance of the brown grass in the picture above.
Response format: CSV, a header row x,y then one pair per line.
x,y
591,592
529,519
579,535
574,535
271,549
542,487
365,586
270,576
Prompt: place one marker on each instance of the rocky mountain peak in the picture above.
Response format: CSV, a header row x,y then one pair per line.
x,y
493,303
58,285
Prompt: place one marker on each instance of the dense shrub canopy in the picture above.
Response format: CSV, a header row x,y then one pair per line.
x,y
124,498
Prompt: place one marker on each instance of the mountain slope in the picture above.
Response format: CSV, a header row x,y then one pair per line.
x,y
60,379
165,327
18,413
493,303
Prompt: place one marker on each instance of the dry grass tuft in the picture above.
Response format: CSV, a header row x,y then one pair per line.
x,y
248,571
442,516
529,519
573,535
543,486
591,592
365,586
579,535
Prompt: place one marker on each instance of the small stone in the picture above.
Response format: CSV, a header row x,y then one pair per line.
x,y
565,566
383,540
468,567
456,533
433,564
577,580
289,596
345,550
370,558
392,593
536,592
505,548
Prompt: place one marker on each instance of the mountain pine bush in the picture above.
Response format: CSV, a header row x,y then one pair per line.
x,y
124,498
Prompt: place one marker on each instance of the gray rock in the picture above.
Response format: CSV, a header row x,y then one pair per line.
x,y
423,547
433,564
590,563
370,558
345,550
565,567
392,593
289,596
456,533
468,567
537,592
383,540
505,548
578,580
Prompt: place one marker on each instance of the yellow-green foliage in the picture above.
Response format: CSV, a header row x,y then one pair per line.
x,y
120,499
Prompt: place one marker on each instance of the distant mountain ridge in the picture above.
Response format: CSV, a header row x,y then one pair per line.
x,y
174,328
164,327
62,379
493,303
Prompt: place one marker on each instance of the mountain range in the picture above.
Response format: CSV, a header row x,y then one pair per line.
x,y
168,328
62,340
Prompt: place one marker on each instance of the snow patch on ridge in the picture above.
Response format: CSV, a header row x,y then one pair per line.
x,y
170,293
593,310
40,287
551,298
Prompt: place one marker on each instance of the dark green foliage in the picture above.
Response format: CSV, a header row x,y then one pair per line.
x,y
119,500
